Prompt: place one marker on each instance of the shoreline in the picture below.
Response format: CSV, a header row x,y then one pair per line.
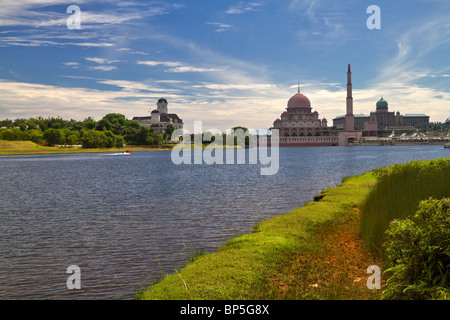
x,y
321,251
266,263
30,148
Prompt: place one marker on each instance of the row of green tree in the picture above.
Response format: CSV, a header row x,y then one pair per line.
x,y
113,130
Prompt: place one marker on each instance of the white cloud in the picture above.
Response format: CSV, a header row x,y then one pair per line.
x,y
220,27
30,42
191,69
218,105
101,60
413,47
243,7
176,66
129,50
103,68
162,63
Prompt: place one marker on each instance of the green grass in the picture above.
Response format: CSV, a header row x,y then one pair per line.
x,y
245,266
296,251
397,194
29,147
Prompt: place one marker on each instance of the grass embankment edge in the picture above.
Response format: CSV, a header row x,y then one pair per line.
x,y
277,259
30,148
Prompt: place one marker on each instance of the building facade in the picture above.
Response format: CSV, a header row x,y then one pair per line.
x,y
160,118
299,126
385,119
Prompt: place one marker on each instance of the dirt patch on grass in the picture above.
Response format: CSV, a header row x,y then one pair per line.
x,y
336,269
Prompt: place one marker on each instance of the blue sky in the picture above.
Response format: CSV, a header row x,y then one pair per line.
x,y
225,63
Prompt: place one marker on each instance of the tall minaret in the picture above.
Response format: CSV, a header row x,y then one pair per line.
x,y
349,118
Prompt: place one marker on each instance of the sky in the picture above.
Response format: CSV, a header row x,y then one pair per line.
x,y
223,62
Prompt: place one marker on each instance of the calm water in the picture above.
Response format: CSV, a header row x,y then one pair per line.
x,y
125,220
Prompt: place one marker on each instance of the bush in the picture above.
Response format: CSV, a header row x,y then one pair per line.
x,y
418,253
397,194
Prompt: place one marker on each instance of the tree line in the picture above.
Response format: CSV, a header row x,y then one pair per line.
x,y
113,130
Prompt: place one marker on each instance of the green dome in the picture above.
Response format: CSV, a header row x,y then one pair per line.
x,y
382,103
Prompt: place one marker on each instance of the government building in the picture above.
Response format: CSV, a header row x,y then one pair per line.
x,y
160,118
386,119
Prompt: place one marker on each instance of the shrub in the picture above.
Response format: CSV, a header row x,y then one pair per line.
x,y
397,194
418,253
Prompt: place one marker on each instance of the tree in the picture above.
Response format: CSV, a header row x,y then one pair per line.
x,y
119,142
35,135
54,136
12,134
73,138
89,123
103,124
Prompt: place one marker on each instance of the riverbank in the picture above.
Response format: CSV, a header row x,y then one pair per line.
x,y
313,252
28,147
316,251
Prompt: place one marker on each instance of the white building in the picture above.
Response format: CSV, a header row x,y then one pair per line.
x,y
160,118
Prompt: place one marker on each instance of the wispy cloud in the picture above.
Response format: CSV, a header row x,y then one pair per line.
x,y
152,63
103,68
30,42
413,47
220,27
129,50
191,69
244,7
101,60
176,66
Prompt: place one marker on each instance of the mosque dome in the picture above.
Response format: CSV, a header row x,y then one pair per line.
x,y
382,103
299,101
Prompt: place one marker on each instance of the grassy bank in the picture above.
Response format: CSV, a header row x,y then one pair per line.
x,y
28,147
319,251
284,257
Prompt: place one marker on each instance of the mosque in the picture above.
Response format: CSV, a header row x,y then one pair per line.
x,y
299,126
160,118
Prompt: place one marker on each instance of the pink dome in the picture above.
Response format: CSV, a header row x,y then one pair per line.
x,y
278,120
299,101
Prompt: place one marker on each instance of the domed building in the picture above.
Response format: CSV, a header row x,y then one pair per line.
x,y
298,125
382,118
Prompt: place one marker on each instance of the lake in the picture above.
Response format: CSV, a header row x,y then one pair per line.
x,y
127,220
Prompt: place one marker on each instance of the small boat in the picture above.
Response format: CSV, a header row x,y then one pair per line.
x,y
127,152
447,145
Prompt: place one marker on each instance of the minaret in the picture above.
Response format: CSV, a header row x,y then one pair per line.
x,y
349,118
